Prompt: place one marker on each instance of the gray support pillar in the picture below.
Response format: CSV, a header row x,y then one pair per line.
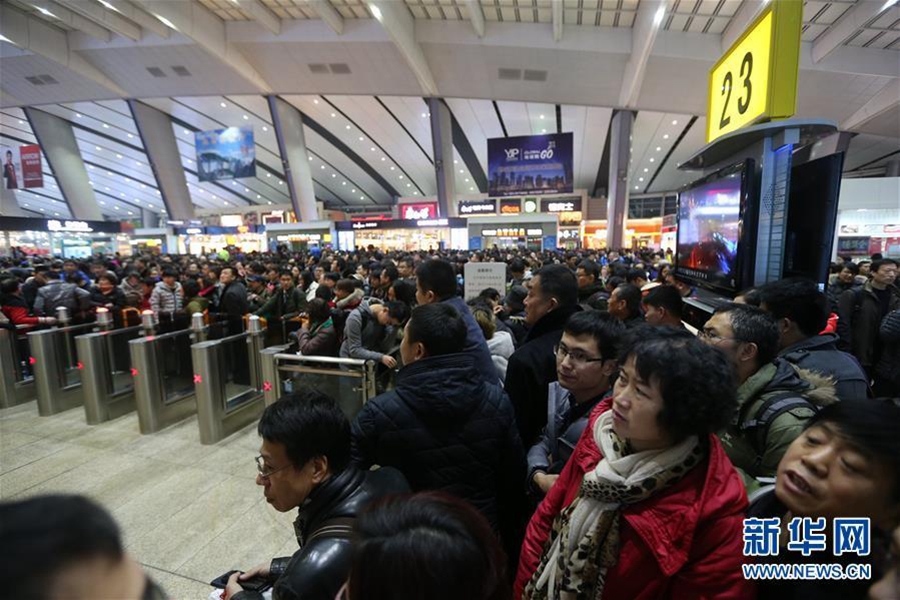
x,y
148,218
58,144
9,207
442,143
619,157
892,169
288,123
155,128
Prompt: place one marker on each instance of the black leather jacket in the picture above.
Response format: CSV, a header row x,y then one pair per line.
x,y
321,566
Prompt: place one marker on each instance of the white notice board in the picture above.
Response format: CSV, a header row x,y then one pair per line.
x,y
482,275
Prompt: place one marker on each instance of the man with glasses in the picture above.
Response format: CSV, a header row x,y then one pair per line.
x,y
775,398
303,463
585,364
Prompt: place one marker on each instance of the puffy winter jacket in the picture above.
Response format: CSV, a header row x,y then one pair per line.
x,y
819,354
446,429
16,309
684,543
166,300
741,439
58,294
502,347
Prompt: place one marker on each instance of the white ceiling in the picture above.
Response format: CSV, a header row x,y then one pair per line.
x,y
376,74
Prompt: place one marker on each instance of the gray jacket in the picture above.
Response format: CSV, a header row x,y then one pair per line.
x,y
364,336
819,354
166,300
57,294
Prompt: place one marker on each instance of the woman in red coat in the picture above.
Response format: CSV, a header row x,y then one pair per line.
x,y
648,506
15,308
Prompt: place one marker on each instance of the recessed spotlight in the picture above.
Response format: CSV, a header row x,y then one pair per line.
x,y
190,162
408,185
268,174
118,156
122,194
659,149
646,170
322,167
542,116
131,137
674,122
246,190
347,127
383,159
362,139
315,101
333,115
471,189
401,177
424,115
543,131
372,148
259,197
105,126
106,189
265,128
90,166
362,197
333,175
97,148
234,183
651,160
280,182
270,202
109,173
76,114
640,178
467,180
353,191
666,136
222,104
343,183
311,157
186,132
461,171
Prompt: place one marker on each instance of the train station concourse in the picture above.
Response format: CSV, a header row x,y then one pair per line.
x,y
433,299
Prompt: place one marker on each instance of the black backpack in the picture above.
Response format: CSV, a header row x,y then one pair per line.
x,y
758,426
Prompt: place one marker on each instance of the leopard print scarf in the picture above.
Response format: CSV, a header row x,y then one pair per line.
x,y
584,541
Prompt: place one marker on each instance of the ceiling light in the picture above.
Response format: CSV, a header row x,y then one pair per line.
x,y
646,170
97,148
76,114
222,104
109,173
652,160
265,128
44,11
122,194
268,174
376,12
90,166
334,175
471,189
315,101
106,188
333,115
258,197
658,149
130,136
322,167
362,139
280,182
42,210
105,126
666,136
311,157
129,212
372,148
270,202
401,177
353,191
461,171
246,190
640,178
186,132
348,127
233,182
118,156
362,197
190,161
166,22
343,183
383,159
637,187
467,180
674,122
660,14
408,185
543,131
424,115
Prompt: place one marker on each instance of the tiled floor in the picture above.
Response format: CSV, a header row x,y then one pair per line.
x,y
188,512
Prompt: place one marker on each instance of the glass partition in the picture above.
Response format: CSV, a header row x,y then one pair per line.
x,y
173,356
22,354
116,344
235,366
67,355
345,386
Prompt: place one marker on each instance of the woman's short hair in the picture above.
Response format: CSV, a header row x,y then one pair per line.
x,y
696,381
426,546
318,310
872,426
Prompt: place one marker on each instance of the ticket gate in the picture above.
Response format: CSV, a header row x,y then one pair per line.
x,y
16,377
106,374
57,367
350,381
163,376
228,382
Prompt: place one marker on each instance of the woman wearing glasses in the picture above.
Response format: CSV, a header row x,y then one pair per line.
x,y
648,506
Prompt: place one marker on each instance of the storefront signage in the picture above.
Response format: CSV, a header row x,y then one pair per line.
x,y
300,237
194,230
853,245
477,207
510,207
231,220
561,205
531,164
569,234
424,210
454,222
58,225
756,79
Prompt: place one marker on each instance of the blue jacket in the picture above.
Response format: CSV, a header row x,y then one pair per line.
x,y
475,343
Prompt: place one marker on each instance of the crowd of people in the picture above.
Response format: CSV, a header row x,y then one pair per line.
x,y
570,435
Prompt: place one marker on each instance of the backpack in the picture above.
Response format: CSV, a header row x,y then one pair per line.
x,y
771,409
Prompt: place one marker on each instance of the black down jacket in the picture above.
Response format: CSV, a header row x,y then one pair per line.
x,y
445,429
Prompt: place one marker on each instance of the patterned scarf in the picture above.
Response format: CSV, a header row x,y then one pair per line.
x,y
584,542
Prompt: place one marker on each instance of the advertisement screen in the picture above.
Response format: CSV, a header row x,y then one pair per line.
x,y
709,230
532,164
225,153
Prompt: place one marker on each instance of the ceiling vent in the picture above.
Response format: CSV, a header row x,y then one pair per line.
x,y
47,79
156,71
41,80
530,75
340,68
318,68
510,74
181,71
34,80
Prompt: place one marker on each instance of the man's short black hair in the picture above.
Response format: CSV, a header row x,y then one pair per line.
x,y
391,271
631,294
490,294
346,285
406,260
335,277
667,297
558,281
699,388
436,275
398,311
9,286
590,268
439,327
517,265
41,536
634,274
877,264
614,282
308,424
850,266
753,324
170,272
606,330
799,300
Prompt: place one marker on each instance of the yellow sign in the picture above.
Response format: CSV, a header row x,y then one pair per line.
x,y
756,80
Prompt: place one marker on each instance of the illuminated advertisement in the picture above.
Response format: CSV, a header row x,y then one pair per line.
x,y
532,164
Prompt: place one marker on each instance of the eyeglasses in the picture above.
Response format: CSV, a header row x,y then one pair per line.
x,y
263,469
706,334
576,357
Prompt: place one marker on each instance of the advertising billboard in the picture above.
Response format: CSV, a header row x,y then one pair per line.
x,y
422,210
225,153
531,164
22,167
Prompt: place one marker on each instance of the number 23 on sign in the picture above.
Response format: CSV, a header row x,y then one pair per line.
x,y
756,79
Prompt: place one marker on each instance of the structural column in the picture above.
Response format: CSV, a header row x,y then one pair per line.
x,y
57,141
288,122
619,157
442,143
155,128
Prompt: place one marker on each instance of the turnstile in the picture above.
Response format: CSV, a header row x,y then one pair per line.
x,y
228,382
57,368
16,378
106,376
350,381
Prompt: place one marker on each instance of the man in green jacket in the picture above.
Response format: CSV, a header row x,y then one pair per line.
x,y
287,299
775,398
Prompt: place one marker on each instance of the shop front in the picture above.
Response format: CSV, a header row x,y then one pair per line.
x,y
67,238
527,232
149,241
407,235
207,239
298,237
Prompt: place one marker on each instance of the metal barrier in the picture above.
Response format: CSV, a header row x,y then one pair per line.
x,y
16,377
162,369
350,381
57,369
228,382
106,376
